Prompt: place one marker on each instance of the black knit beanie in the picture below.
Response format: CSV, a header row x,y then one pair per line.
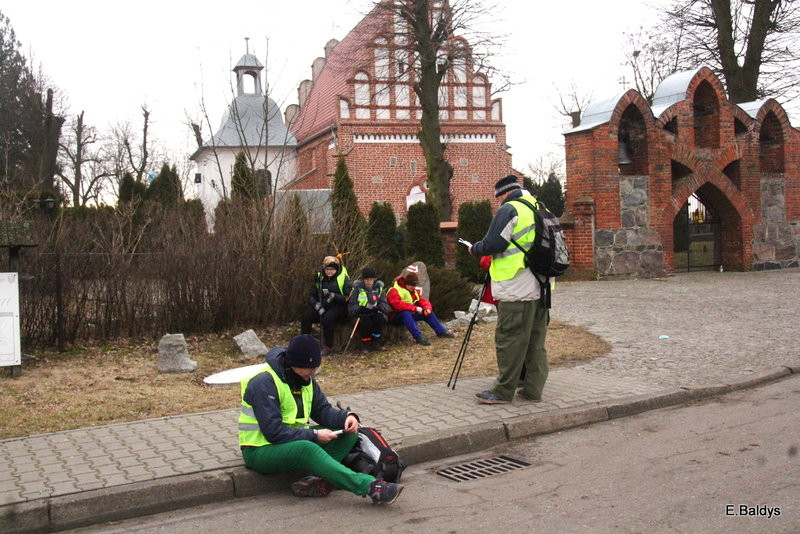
x,y
303,352
504,185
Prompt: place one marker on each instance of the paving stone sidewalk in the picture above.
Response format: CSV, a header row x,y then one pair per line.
x,y
62,463
721,326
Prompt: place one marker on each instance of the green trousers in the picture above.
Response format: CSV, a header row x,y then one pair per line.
x,y
519,339
321,460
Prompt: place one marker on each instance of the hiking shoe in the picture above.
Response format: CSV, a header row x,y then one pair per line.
x,y
422,340
522,395
383,492
447,334
326,350
311,486
487,397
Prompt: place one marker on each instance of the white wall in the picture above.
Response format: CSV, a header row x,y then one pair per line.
x,y
215,186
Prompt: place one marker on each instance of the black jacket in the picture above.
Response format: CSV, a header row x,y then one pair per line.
x,y
337,297
376,300
262,395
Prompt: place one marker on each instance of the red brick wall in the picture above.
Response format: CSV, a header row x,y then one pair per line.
x,y
387,171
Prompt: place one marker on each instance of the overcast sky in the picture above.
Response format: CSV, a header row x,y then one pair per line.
x,y
109,58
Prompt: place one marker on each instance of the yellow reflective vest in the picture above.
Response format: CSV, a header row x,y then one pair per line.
x,y
403,293
249,431
508,263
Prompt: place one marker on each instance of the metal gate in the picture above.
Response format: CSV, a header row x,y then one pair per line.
x,y
697,235
705,242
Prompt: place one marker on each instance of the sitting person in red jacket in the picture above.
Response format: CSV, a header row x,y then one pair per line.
x,y
409,306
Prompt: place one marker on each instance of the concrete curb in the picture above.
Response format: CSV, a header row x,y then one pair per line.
x,y
766,376
146,498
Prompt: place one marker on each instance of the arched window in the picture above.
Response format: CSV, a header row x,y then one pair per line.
x,y
417,194
706,116
249,83
632,143
770,145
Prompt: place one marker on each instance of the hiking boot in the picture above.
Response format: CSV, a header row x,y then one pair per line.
x,y
422,340
366,345
326,350
383,492
447,334
522,395
487,397
311,486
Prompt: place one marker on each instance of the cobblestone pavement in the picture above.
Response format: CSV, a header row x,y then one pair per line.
x,y
720,326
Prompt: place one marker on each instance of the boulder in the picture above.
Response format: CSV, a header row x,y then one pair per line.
x,y
250,344
173,355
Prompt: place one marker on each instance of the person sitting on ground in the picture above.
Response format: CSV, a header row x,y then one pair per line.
x,y
409,306
327,300
274,431
369,306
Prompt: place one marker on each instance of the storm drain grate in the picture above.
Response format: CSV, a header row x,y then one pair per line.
x,y
482,468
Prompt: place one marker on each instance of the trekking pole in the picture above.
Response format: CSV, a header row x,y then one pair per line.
x,y
358,320
463,351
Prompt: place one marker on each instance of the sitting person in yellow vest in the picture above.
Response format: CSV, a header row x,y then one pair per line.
x,y
275,435
369,307
409,306
327,300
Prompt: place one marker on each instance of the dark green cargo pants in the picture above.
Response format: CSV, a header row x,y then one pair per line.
x,y
519,339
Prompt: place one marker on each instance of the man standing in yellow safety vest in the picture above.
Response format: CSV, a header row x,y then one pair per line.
x,y
521,318
275,435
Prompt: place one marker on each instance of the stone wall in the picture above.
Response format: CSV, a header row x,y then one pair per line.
x,y
635,249
776,245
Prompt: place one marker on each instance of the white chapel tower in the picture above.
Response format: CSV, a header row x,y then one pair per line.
x,y
252,123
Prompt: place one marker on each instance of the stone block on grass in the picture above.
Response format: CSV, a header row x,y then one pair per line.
x,y
173,355
250,344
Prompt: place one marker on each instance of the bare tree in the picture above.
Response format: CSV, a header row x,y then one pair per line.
x,y
546,165
439,35
572,103
135,150
652,54
751,44
83,170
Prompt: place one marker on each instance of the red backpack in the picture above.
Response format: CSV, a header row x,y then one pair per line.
x,y
373,456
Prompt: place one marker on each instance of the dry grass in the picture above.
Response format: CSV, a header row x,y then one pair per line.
x,y
103,384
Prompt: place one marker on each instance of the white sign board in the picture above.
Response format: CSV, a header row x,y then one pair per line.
x,y
10,353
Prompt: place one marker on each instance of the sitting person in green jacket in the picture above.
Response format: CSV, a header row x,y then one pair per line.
x,y
275,435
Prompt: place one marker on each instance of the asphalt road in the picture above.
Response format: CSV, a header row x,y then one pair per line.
x,y
730,464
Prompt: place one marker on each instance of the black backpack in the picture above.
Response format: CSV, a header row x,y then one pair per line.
x,y
373,456
548,257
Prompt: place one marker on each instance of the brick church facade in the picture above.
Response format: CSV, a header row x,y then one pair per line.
x,y
632,167
360,104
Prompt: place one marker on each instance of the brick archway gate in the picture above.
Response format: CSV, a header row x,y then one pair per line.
x,y
727,202
632,166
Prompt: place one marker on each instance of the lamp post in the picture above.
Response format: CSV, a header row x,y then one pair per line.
x,y
49,206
